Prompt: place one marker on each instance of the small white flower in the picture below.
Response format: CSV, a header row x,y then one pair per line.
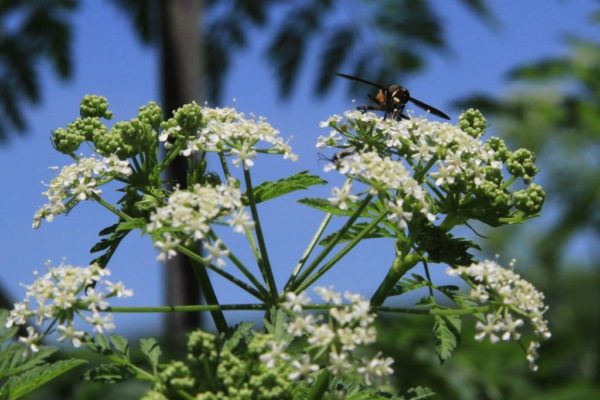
x,y
216,253
322,336
342,197
68,332
488,329
32,340
101,323
296,302
303,368
276,352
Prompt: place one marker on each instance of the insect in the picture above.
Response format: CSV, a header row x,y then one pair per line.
x,y
392,99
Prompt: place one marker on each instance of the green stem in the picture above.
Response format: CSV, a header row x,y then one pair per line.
x,y
226,275
111,208
223,161
508,182
209,294
263,260
400,265
262,307
332,243
191,308
320,386
329,264
308,250
240,266
433,311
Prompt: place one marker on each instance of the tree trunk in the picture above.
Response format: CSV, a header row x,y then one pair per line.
x,y
180,83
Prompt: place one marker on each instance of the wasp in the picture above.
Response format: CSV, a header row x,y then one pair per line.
x,y
392,100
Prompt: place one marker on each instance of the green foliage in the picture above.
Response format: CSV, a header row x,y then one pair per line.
x,y
447,335
22,373
270,190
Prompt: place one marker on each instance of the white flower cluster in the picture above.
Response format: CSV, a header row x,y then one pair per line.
x,y
349,326
76,182
513,297
445,149
62,293
382,173
191,211
226,130
456,152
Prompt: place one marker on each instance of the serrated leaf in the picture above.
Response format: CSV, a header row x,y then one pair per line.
x,y
120,345
152,351
6,333
108,230
447,335
277,326
14,359
272,189
408,285
374,232
240,332
108,373
324,205
18,386
134,223
419,393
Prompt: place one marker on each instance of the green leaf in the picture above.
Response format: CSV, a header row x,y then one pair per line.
x,y
6,333
14,359
120,345
277,326
447,335
324,205
109,373
375,232
300,181
152,351
408,285
240,332
419,393
134,223
18,386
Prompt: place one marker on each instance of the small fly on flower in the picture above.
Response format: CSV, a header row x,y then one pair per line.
x,y
392,100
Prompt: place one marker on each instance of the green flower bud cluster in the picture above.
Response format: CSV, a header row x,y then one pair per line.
x,y
522,163
175,376
126,139
94,106
68,140
530,200
151,114
499,148
472,123
189,117
224,370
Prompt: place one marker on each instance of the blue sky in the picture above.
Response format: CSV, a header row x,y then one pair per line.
x,y
109,61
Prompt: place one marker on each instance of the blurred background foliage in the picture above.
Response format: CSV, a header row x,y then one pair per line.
x,y
553,108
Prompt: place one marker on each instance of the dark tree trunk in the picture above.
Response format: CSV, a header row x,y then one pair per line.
x,y
180,83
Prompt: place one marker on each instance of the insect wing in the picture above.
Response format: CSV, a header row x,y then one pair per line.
x,y
429,108
361,80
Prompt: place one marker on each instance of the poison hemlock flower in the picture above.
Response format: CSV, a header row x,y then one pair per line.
x,y
60,295
228,131
189,213
77,182
339,337
513,302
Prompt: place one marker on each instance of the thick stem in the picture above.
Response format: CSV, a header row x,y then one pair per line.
x,y
320,386
400,266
